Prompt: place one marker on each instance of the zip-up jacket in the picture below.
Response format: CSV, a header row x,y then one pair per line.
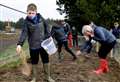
x,y
36,30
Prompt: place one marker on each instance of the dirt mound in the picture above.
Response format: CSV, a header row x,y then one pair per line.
x,y
67,71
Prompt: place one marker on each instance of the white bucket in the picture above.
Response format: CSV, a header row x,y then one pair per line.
x,y
49,46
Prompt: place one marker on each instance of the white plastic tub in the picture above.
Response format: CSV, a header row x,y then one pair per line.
x,y
49,46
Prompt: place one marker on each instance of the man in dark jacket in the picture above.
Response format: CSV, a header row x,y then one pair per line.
x,y
68,33
59,34
75,37
36,29
116,30
107,41
67,28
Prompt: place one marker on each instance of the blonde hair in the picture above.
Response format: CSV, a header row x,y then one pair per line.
x,y
32,7
86,28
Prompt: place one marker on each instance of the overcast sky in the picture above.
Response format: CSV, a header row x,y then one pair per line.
x,y
46,7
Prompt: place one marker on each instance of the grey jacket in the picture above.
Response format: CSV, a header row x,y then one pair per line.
x,y
36,30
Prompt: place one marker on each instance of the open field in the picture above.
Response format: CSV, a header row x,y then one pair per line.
x,y
66,71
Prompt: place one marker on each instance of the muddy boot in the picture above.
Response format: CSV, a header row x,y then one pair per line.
x,y
60,57
74,58
34,73
70,51
47,77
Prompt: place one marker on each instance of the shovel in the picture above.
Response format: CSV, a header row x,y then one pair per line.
x,y
26,69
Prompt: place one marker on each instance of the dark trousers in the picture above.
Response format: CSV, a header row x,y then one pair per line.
x,y
105,49
61,43
75,42
34,56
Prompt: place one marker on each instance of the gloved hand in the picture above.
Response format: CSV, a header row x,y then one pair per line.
x,y
93,41
18,49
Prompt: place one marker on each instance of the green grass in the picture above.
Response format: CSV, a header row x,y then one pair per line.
x,y
12,64
9,52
